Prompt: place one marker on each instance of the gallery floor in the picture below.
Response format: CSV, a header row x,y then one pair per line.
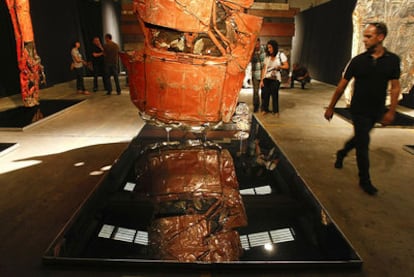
x,y
56,163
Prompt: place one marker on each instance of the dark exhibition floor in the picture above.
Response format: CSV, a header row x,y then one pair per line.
x,y
52,165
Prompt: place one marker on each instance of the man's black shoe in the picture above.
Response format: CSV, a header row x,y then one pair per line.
x,y
369,188
339,163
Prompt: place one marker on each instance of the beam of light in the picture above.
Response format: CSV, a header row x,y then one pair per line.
x,y
18,165
110,20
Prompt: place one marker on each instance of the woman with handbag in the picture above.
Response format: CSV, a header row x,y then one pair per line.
x,y
271,77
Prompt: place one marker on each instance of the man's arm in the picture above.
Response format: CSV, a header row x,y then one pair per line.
x,y
395,90
262,75
335,97
97,54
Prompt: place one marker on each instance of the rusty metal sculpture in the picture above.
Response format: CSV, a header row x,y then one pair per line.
x,y
191,69
190,73
31,70
196,199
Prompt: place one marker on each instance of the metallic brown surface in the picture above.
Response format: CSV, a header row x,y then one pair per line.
x,y
192,66
197,204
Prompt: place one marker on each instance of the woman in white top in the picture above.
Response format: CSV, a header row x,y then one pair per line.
x,y
271,78
78,64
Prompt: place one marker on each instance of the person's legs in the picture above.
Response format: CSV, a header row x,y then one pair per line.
x,y
256,99
79,80
362,127
100,71
302,84
304,81
116,79
266,95
103,81
341,154
107,80
95,80
275,96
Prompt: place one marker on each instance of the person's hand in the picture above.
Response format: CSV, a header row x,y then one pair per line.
x,y
388,118
261,83
329,113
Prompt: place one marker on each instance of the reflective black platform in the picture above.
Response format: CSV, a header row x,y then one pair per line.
x,y
22,117
409,148
6,147
287,226
401,120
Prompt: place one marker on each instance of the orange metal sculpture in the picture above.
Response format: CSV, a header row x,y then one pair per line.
x,y
191,69
31,70
197,204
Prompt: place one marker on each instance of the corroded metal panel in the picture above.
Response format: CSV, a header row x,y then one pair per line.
x,y
185,15
184,92
197,204
192,66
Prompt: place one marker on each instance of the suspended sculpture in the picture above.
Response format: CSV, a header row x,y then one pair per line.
x,y
192,67
30,68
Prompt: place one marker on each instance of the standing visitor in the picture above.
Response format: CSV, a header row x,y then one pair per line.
x,y
78,63
271,77
97,62
111,62
257,63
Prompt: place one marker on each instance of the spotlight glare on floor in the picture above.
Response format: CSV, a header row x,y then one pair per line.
x,y
96,173
106,168
268,247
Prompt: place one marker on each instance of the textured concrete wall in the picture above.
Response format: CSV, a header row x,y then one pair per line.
x,y
399,17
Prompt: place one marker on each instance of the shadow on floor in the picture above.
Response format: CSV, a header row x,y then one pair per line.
x,y
34,209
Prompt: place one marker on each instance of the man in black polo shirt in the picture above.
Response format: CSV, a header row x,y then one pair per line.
x,y
372,70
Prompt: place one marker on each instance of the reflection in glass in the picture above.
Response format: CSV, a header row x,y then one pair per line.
x,y
191,201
